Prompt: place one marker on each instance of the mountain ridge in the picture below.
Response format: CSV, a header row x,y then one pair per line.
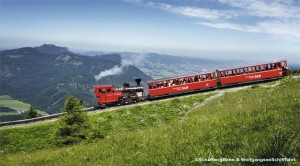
x,y
46,79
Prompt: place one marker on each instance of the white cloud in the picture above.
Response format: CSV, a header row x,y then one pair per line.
x,y
266,8
197,12
274,17
226,25
282,29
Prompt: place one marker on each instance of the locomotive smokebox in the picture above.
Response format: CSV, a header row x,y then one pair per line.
x,y
138,81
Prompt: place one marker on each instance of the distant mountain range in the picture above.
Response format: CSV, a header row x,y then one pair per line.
x,y
294,66
46,75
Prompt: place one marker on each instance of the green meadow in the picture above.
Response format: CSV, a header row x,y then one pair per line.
x,y
259,122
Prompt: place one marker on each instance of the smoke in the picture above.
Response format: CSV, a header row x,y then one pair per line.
x,y
117,70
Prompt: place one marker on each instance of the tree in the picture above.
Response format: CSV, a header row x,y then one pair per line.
x,y
32,113
73,126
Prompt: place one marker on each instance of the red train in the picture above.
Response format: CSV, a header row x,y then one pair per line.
x,y
108,95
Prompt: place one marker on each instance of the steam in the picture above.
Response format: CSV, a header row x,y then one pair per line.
x,y
117,70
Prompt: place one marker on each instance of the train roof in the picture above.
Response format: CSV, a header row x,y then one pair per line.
x,y
104,86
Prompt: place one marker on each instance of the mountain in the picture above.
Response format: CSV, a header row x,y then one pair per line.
x,y
52,49
45,76
294,66
93,53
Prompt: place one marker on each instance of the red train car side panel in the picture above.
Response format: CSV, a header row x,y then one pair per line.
x,y
252,73
250,77
169,86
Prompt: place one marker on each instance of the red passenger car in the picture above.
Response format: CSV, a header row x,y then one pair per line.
x,y
176,85
253,73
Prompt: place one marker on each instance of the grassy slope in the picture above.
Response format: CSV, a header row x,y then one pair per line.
x,y
253,123
35,137
11,109
7,101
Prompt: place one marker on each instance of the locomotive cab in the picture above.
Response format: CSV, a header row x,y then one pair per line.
x,y
111,95
107,94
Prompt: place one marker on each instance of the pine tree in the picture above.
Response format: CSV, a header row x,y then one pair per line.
x,y
73,126
32,113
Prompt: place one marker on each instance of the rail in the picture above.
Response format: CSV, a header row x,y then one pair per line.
x,y
48,117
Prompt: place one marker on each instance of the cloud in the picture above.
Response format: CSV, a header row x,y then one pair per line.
x,y
274,17
282,29
266,8
195,12
226,25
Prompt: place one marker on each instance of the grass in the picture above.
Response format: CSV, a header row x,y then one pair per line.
x,y
259,122
37,137
11,109
7,101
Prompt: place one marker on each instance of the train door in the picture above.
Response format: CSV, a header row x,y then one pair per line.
x,y
109,95
102,93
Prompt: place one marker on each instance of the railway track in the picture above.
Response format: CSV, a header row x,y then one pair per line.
x,y
94,110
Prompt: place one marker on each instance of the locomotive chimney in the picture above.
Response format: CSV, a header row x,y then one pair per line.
x,y
138,81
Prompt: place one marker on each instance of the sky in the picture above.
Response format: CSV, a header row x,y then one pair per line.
x,y
258,30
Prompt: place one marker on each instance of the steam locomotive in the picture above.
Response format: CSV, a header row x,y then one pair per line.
x,y
109,95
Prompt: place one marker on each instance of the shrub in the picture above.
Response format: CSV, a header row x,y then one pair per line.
x,y
73,126
32,113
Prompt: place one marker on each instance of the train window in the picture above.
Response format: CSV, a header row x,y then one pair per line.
x,y
279,65
160,85
246,70
274,66
257,69
211,76
230,72
165,84
241,71
262,67
153,85
238,71
234,72
221,74
102,90
196,79
173,82
208,76
250,69
108,90
188,80
150,86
